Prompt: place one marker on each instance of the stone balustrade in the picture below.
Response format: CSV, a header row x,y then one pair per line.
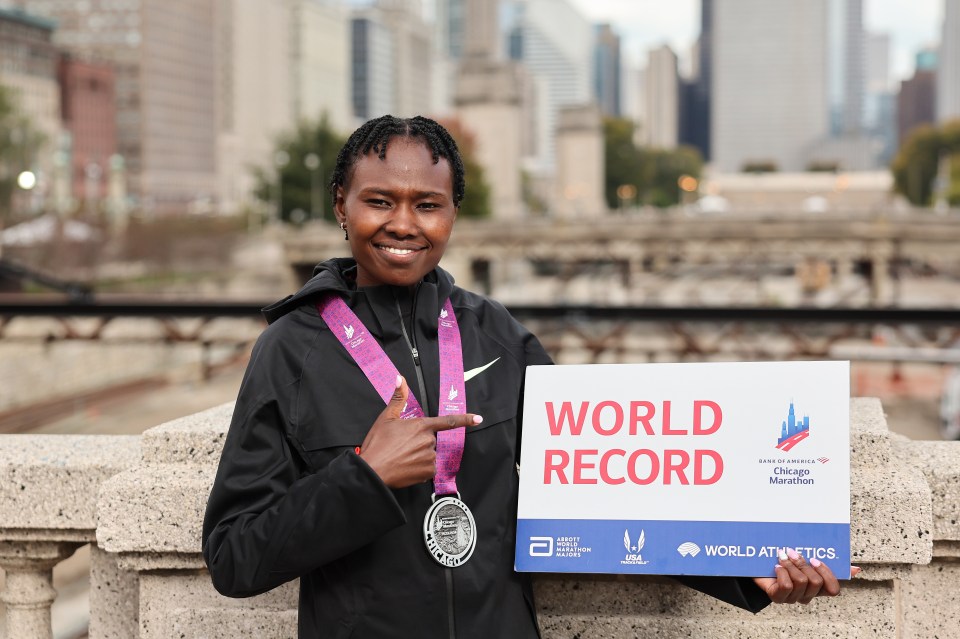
x,y
148,578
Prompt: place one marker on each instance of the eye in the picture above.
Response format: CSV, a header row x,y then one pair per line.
x,y
428,206
377,202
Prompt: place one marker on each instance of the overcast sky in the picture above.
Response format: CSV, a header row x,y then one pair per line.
x,y
645,24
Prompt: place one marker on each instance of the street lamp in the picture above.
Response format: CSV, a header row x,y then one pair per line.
x,y
27,180
313,163
280,160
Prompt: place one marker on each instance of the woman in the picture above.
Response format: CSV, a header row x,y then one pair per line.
x,y
320,480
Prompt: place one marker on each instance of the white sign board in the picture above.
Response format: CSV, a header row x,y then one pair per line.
x,y
684,469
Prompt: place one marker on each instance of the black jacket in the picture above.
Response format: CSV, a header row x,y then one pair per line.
x,y
292,499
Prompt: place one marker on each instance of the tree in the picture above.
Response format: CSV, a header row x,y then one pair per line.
x,y
304,159
19,142
654,173
476,201
917,164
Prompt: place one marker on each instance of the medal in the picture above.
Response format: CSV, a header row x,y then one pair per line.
x,y
449,532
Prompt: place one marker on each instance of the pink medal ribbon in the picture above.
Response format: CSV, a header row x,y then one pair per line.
x,y
373,361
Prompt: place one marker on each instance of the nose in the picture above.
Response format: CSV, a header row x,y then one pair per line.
x,y
403,222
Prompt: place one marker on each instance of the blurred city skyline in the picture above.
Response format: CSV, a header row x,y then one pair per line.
x,y
646,24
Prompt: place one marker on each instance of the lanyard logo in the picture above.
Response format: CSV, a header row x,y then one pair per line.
x,y
348,331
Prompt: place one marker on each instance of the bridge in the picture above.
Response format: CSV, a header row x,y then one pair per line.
x,y
867,259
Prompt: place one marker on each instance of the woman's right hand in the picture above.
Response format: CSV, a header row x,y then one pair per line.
x,y
403,452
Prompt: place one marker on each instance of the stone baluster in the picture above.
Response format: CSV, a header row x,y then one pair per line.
x,y
29,593
48,496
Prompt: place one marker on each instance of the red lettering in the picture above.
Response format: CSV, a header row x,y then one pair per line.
x,y
617,418
698,475
666,421
632,466
637,418
671,467
550,466
579,465
605,466
698,407
566,415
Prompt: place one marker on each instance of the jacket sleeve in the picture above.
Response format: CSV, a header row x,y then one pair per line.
x,y
269,520
737,591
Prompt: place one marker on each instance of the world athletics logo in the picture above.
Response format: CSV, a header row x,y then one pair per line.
x,y
793,431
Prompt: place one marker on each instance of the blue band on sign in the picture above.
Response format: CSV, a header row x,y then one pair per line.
x,y
732,548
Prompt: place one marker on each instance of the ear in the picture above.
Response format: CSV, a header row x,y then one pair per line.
x,y
338,208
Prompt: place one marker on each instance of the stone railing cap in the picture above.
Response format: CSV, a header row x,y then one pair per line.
x,y
195,438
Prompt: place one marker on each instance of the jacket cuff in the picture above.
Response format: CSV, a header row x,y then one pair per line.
x,y
741,592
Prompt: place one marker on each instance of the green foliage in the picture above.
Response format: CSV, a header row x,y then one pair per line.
x,y
654,173
917,164
19,142
476,202
303,188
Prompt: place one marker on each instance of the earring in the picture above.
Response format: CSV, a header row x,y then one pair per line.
x,y
343,227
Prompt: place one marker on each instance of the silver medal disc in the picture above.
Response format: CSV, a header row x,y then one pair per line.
x,y
450,532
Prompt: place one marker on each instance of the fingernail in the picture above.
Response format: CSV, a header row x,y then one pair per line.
x,y
477,419
792,554
399,381
815,562
782,555
777,567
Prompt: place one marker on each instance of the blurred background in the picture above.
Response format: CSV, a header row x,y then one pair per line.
x,y
647,181
691,180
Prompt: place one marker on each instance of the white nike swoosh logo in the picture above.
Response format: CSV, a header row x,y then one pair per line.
x,y
473,372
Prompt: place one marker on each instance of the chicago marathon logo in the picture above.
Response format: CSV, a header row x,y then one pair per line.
x,y
348,331
793,430
633,556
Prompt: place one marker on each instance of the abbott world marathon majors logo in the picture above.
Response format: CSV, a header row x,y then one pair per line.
x,y
633,556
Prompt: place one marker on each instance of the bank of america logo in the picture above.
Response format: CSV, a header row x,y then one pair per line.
x,y
823,460
348,331
688,549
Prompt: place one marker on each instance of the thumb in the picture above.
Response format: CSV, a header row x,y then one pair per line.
x,y
399,398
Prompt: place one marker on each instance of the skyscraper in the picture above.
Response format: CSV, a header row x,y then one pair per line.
x,y
166,87
847,67
661,128
391,57
555,43
948,76
769,90
696,130
607,71
372,48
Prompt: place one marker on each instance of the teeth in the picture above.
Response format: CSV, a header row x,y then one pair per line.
x,y
396,251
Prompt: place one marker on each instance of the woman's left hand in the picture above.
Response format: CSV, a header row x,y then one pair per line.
x,y
799,581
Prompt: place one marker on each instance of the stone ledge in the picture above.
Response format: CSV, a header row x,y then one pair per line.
x,y
940,464
155,508
47,481
869,435
193,439
891,518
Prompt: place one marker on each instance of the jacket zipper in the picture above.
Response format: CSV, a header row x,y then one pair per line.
x,y
412,344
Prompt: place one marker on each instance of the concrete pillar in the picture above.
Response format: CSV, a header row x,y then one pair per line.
x,y
29,591
580,163
488,98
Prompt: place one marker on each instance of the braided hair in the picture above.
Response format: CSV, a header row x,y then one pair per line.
x,y
374,136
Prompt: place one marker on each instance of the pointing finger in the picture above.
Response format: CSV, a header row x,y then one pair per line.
x,y
449,422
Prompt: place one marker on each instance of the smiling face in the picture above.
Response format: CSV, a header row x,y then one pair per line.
x,y
399,213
